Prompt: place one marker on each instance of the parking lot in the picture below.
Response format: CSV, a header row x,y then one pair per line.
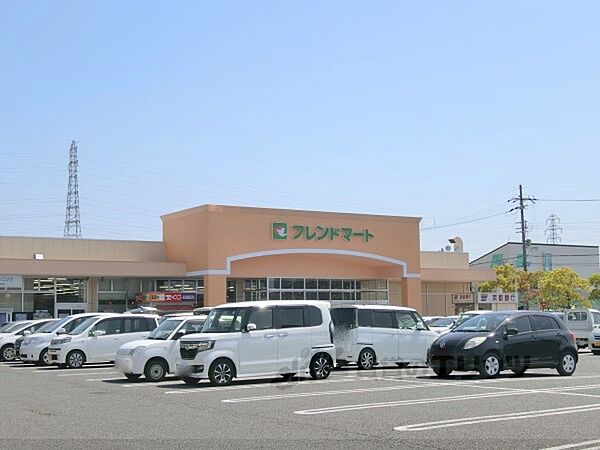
x,y
386,407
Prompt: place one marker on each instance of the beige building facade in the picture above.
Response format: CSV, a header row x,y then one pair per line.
x,y
214,254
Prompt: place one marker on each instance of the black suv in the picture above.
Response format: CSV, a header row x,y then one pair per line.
x,y
500,340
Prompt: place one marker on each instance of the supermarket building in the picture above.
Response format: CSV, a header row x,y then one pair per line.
x,y
214,254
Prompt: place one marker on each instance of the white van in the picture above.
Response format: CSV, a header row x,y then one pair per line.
x,y
372,334
98,338
156,355
261,338
9,336
34,348
582,322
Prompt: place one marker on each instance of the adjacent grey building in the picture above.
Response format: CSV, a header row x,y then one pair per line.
x,y
583,259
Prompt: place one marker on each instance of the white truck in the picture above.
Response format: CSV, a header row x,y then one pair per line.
x,y
582,322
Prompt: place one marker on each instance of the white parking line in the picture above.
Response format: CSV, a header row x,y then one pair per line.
x,y
87,374
578,445
453,398
496,418
321,393
107,379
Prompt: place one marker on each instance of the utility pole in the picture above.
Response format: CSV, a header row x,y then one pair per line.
x,y
72,221
521,200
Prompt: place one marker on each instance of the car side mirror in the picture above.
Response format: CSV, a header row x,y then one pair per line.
x,y
421,327
26,333
178,335
511,331
251,327
61,331
97,333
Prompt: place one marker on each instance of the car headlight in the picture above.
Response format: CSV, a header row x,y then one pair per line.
x,y
60,341
474,342
199,346
139,348
35,340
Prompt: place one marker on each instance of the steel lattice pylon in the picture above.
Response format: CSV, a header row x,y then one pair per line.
x,y
72,221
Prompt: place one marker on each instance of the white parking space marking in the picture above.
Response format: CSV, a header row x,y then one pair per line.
x,y
87,374
578,445
322,393
497,418
106,379
453,398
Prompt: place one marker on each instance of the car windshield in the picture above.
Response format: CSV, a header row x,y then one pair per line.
x,y
164,330
6,326
223,320
16,326
482,323
443,322
464,317
44,328
53,326
82,326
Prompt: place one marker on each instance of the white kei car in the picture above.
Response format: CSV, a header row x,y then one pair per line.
x,y
9,336
98,339
155,356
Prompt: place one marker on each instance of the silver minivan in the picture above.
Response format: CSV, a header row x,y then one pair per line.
x,y
373,334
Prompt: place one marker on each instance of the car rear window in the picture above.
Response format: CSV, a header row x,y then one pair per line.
x,y
343,318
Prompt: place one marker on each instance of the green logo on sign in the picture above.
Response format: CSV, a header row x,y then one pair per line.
x,y
280,231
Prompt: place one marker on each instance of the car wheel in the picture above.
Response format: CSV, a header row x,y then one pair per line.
x,y
75,359
155,370
221,372
320,366
442,370
191,381
567,364
366,359
8,353
490,365
402,364
132,376
44,359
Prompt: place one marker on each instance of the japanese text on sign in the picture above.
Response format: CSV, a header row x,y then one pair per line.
x,y
492,297
281,231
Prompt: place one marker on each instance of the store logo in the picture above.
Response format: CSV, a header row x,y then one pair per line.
x,y
280,231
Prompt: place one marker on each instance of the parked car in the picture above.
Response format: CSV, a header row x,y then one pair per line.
x,y
463,317
34,348
582,322
372,334
594,342
500,340
98,338
443,325
9,336
49,324
156,356
259,338
430,319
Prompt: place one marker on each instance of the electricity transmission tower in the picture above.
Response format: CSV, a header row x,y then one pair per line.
x,y
72,221
553,229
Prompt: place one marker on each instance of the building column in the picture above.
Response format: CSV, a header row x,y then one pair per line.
x,y
215,290
411,293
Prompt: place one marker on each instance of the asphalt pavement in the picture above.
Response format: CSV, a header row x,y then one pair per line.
x,y
388,407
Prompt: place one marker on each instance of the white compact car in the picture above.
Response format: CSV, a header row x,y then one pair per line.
x,y
443,325
34,348
262,338
372,334
9,336
594,341
98,338
156,355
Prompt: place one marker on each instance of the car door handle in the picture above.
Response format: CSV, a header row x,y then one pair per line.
x,y
283,334
269,336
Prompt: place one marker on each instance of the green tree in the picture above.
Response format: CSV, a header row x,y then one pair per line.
x,y
594,281
563,288
510,279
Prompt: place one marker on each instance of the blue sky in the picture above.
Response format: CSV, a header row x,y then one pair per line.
x,y
435,109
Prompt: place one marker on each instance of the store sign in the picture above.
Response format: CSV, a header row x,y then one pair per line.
x,y
462,298
10,282
172,297
494,297
281,231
